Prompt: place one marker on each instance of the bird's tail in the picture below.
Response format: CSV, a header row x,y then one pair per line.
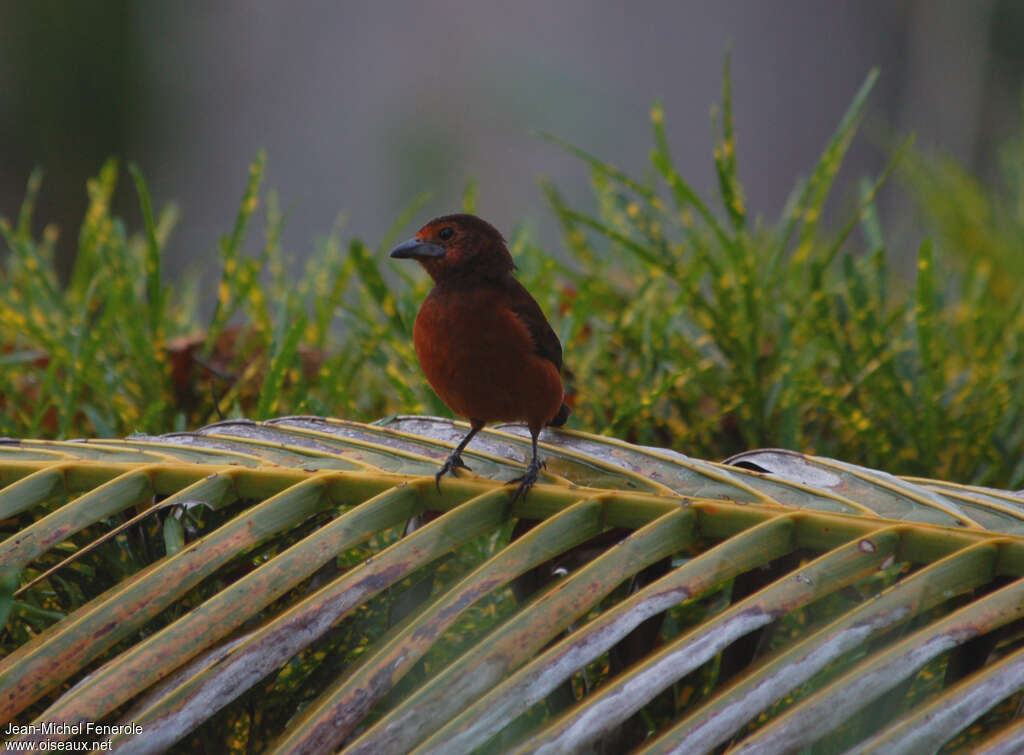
x,y
559,419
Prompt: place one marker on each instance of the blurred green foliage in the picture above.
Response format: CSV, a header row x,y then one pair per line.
x,y
684,324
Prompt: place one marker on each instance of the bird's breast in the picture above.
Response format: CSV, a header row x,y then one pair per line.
x,y
480,359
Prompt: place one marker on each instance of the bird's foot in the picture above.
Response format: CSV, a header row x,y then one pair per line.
x,y
527,479
453,462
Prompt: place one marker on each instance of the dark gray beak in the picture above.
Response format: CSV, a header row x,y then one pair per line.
x,y
416,248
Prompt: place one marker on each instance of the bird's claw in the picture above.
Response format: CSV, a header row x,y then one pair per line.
x,y
453,462
527,479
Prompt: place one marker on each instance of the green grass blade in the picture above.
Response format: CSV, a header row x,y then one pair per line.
x,y
282,359
600,166
820,183
725,155
469,196
23,228
230,250
154,282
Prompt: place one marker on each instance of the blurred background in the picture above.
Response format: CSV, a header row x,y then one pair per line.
x,y
363,106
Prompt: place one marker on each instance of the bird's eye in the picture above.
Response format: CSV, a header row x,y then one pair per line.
x,y
445,234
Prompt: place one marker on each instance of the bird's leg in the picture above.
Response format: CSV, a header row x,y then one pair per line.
x,y
454,460
532,470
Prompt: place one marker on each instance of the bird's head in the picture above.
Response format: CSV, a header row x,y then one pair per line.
x,y
455,247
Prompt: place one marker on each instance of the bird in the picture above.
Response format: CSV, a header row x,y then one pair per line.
x,y
481,339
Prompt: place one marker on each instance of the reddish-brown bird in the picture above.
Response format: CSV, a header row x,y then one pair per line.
x,y
483,342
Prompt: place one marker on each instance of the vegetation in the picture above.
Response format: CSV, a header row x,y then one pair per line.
x,y
343,627
686,325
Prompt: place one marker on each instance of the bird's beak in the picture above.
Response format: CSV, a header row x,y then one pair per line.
x,y
416,248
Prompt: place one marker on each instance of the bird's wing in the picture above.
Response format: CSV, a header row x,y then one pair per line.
x,y
526,308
